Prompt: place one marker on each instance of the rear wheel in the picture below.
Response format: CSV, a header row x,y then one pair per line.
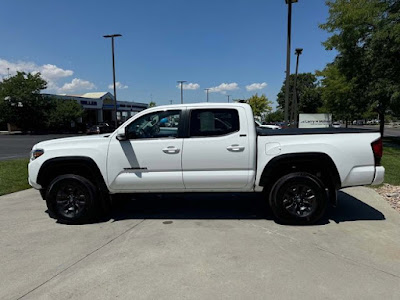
x,y
298,198
72,199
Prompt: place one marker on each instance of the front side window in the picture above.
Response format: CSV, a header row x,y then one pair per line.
x,y
161,124
213,122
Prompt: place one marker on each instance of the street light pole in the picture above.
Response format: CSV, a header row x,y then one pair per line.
x,y
289,32
112,36
181,82
207,93
294,104
228,97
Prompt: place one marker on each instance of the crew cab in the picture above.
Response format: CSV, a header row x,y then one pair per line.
x,y
205,148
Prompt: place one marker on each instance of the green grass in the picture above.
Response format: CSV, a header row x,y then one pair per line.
x,y
391,160
13,176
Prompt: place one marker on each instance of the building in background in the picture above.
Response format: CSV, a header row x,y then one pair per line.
x,y
99,107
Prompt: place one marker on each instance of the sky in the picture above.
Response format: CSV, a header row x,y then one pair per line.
x,y
235,47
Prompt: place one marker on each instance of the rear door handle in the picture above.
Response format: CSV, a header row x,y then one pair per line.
x,y
235,148
171,150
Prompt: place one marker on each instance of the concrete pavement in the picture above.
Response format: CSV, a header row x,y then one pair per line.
x,y
200,247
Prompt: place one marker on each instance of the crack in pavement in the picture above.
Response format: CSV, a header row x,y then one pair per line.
x,y
81,259
354,261
268,231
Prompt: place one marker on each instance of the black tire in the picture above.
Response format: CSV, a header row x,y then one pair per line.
x,y
72,199
298,199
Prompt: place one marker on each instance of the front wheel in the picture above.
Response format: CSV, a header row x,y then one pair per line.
x,y
298,198
72,199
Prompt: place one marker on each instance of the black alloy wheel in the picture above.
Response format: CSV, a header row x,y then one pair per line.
x,y
72,199
298,198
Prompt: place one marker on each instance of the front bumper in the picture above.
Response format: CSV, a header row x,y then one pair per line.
x,y
379,175
34,184
33,170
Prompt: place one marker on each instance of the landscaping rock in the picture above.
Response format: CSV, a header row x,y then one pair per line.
x,y
391,193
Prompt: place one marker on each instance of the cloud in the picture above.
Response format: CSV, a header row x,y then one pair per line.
x,y
7,67
189,86
224,87
51,73
77,84
256,86
119,86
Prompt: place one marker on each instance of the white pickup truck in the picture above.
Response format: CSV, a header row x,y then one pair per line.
x,y
205,148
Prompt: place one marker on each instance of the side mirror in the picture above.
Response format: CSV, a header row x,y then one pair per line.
x,y
122,135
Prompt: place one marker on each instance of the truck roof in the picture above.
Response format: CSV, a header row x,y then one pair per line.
x,y
203,104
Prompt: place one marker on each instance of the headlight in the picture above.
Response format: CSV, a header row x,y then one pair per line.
x,y
36,153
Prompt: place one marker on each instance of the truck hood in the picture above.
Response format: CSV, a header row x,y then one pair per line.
x,y
62,142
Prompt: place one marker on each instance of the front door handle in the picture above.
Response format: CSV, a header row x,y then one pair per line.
x,y
235,148
171,150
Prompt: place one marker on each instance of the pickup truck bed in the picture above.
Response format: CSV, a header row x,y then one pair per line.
x,y
301,131
346,151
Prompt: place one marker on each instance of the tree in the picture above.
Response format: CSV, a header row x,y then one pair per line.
x,y
308,93
276,116
259,104
21,102
63,113
395,105
366,34
25,107
336,94
152,104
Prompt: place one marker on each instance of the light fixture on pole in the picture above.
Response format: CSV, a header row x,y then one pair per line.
x,y
207,93
289,31
181,83
298,52
112,36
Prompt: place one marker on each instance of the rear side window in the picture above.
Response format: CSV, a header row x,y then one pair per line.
x,y
213,122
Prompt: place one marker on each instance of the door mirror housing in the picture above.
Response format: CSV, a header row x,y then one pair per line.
x,y
122,134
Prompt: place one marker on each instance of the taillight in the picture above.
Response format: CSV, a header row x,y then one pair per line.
x,y
377,148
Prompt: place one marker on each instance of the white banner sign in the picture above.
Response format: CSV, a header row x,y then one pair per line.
x,y
315,120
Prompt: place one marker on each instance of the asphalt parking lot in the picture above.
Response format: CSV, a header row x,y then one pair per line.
x,y
389,131
13,146
200,247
